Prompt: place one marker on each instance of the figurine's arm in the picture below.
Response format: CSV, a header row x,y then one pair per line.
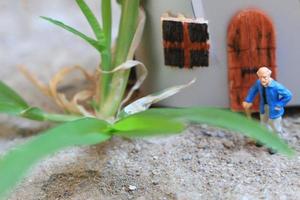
x,y
284,96
252,93
250,97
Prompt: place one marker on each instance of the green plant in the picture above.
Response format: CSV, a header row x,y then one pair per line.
x,y
106,116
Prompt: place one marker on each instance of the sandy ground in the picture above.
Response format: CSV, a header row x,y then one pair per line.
x,y
201,163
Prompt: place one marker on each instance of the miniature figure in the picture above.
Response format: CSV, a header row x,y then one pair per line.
x,y
273,98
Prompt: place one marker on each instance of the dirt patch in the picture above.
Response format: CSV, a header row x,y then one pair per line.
x,y
65,185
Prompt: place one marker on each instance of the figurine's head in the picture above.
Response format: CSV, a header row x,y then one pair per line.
x,y
264,75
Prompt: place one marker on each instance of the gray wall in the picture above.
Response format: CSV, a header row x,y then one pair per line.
x,y
211,87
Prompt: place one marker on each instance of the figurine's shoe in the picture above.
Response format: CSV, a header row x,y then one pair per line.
x,y
284,135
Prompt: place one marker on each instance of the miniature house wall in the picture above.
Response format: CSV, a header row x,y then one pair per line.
x,y
211,87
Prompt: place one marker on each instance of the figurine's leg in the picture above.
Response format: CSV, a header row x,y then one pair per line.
x,y
264,118
276,125
277,128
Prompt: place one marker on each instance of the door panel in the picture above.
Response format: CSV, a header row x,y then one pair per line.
x,y
250,45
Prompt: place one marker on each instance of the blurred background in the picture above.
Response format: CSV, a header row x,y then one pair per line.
x,y
28,40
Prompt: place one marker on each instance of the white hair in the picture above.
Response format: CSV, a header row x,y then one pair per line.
x,y
264,70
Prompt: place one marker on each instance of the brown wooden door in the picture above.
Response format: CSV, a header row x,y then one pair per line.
x,y
250,45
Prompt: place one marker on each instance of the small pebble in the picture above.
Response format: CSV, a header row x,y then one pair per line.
x,y
187,157
132,188
228,144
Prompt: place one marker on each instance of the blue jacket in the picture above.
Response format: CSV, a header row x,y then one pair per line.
x,y
276,94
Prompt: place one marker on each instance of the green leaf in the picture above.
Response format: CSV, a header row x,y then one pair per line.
x,y
140,125
16,162
91,19
40,115
33,113
224,119
10,101
96,44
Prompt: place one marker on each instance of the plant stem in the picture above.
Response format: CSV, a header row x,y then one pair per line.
x,y
105,78
106,55
118,84
106,20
